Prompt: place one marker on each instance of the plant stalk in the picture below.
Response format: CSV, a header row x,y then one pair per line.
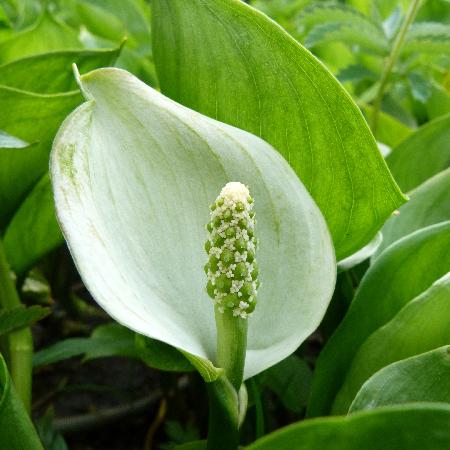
x,y
231,346
224,405
391,60
223,427
19,344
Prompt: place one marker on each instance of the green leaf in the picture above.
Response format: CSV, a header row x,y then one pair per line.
x,y
439,102
50,73
196,445
106,340
413,427
33,231
16,430
291,380
32,118
429,204
418,327
46,35
422,155
20,317
403,271
136,216
361,255
161,356
421,378
230,62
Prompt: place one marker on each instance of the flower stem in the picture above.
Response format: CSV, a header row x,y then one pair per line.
x,y
223,427
391,60
19,343
231,346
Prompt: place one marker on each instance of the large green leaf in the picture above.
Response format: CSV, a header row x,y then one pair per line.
x,y
33,118
421,378
402,272
429,204
420,326
46,35
133,174
413,427
52,72
16,430
33,230
232,63
422,154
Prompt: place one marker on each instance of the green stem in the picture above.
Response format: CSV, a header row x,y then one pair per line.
x,y
391,60
224,404
20,342
223,428
231,346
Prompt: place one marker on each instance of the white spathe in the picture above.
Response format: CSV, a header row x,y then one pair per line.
x,y
134,174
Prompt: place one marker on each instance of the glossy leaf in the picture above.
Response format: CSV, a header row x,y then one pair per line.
x,y
230,62
46,35
51,73
16,429
33,230
413,427
361,255
402,272
421,155
132,219
419,326
429,204
33,118
421,378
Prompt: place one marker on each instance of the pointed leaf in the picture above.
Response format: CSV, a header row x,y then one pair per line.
x,y
429,204
230,62
415,379
413,427
403,271
418,327
422,155
133,174
50,73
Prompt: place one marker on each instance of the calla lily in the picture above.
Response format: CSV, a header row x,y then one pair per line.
x,y
134,174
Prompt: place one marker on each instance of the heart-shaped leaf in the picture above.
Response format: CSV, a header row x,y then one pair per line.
x,y
230,62
419,326
133,174
415,379
402,272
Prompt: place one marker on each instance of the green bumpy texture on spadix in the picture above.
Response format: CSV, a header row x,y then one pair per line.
x,y
134,174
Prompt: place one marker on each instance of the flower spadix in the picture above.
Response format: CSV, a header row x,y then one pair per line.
x,y
231,269
133,175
